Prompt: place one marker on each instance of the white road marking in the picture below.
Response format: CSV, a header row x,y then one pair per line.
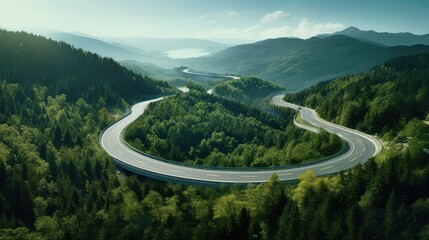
x,y
324,168
213,175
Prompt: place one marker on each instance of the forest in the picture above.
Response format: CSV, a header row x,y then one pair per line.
x,y
246,89
379,101
198,128
57,183
27,59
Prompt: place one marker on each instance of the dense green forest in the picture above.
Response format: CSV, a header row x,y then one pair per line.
x,y
382,100
246,89
198,128
27,59
57,183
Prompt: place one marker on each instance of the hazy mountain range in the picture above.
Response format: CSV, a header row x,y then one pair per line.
x,y
116,51
145,50
297,63
291,62
384,38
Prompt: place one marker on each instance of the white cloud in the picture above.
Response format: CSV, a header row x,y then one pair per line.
x,y
274,16
307,29
303,29
275,32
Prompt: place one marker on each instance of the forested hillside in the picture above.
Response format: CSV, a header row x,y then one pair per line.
x,y
246,89
382,100
27,59
198,128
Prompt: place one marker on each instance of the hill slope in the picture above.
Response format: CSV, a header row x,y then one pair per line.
x,y
381,100
29,59
385,38
54,102
246,89
297,63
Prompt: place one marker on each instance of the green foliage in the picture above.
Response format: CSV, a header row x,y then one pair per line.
x,y
195,87
202,129
381,100
28,59
246,89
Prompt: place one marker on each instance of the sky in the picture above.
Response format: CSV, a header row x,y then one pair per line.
x,y
227,20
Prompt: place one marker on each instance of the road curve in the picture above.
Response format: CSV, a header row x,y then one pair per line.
x,y
188,71
361,148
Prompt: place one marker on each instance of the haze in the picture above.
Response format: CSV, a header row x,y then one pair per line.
x,y
222,20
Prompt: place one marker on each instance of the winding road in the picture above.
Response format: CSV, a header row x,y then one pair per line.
x,y
361,148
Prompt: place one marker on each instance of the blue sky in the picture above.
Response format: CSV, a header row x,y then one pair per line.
x,y
248,20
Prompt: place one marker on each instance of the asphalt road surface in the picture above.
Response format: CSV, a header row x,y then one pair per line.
x,y
361,148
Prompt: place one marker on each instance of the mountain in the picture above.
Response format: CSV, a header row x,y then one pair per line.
x,y
119,52
384,38
28,59
297,63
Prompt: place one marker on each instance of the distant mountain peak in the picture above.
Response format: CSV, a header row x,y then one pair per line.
x,y
351,29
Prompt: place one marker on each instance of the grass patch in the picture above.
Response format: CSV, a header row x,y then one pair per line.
x,y
301,121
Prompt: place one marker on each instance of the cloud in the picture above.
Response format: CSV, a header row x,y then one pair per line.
x,y
276,32
304,29
307,28
274,17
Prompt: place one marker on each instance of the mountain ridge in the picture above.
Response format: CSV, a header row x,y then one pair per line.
x,y
297,63
385,38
